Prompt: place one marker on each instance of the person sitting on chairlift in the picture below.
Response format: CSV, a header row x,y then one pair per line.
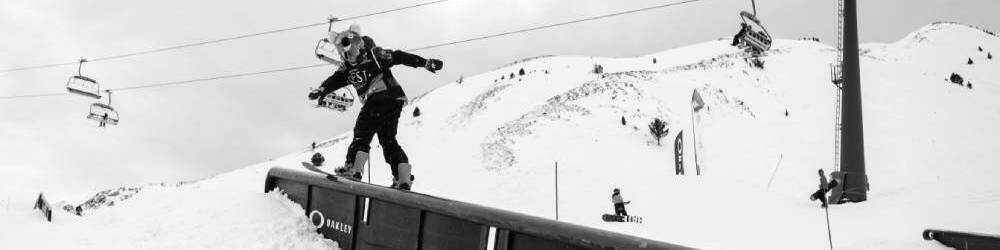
x,y
743,30
104,120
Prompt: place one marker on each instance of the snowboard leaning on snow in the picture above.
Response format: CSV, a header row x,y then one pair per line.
x,y
618,218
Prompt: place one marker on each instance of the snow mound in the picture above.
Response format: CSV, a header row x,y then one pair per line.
x,y
173,218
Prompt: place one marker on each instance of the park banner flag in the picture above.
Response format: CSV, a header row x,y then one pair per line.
x,y
679,154
696,102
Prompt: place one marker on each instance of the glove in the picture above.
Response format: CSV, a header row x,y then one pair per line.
x,y
433,65
316,93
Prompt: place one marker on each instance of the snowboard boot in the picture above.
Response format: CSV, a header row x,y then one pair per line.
x,y
404,180
354,170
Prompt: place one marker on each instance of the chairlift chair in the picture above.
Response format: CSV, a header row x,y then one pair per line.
x,y
326,50
338,100
83,85
103,113
756,39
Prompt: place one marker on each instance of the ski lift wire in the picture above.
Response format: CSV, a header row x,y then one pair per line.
x,y
139,53
325,64
219,77
554,25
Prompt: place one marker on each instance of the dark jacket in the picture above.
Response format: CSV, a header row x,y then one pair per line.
x,y
371,76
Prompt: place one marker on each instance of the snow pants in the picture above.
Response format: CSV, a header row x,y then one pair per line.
x,y
620,209
381,118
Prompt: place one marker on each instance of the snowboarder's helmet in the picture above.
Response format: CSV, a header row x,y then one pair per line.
x,y
317,159
350,43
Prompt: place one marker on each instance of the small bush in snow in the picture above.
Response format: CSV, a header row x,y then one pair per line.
x,y
970,61
623,120
658,128
980,48
969,85
654,60
989,56
956,79
511,75
416,112
598,69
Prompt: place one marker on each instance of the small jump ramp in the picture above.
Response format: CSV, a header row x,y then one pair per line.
x,y
364,216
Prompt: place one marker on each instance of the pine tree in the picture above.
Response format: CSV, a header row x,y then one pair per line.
x,y
989,55
512,75
654,60
598,69
970,61
521,73
658,128
416,112
623,120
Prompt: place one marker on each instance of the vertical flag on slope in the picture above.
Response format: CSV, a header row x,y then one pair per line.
x,y
696,102
696,105
679,154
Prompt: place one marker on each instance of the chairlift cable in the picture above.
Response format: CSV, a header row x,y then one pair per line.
x,y
218,77
138,53
554,25
413,49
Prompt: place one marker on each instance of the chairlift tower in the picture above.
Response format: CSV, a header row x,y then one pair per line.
x,y
850,145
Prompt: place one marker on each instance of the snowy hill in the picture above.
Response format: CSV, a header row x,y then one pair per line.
x,y
494,139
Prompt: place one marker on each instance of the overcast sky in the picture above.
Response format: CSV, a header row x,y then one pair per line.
x,y
193,131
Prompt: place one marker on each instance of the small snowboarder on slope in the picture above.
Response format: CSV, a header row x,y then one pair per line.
x,y
616,198
366,68
824,187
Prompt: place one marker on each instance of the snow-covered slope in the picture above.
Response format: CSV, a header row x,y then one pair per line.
x,y
495,140
928,142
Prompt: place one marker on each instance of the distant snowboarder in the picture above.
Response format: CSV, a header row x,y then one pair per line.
x,y
824,187
616,198
366,67
620,214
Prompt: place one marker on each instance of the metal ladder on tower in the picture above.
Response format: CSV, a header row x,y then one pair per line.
x,y
837,76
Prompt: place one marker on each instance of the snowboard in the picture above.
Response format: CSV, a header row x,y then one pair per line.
x,y
333,177
617,218
329,176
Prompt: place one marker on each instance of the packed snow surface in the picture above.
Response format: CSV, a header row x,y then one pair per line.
x,y
495,140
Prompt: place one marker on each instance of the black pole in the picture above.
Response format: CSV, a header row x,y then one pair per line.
x,y
852,148
694,145
557,190
829,235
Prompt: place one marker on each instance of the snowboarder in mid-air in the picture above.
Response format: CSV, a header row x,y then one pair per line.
x,y
366,67
616,198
